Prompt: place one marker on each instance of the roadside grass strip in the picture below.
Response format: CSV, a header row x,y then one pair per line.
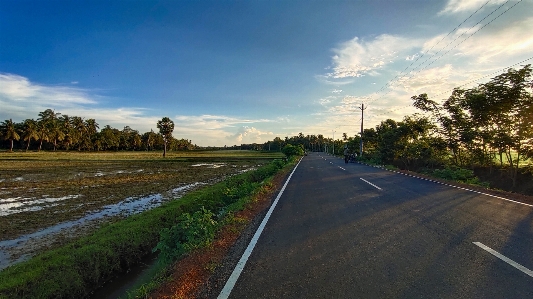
x,y
232,280
504,258
449,185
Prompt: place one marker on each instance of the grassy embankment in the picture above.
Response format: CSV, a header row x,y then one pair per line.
x,y
76,269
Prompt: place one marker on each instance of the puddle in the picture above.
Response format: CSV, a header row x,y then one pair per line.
x,y
26,244
210,165
15,205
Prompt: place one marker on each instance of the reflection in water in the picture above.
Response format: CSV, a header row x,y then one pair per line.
x,y
129,206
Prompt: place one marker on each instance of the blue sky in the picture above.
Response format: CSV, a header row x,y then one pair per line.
x,y
231,72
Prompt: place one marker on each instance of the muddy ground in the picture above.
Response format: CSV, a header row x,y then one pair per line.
x,y
44,204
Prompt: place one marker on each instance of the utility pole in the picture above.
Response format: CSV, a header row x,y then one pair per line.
x,y
333,142
362,117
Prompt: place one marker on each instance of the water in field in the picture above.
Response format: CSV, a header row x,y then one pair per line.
x,y
21,248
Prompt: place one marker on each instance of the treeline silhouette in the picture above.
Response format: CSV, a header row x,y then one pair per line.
x,y
487,127
56,131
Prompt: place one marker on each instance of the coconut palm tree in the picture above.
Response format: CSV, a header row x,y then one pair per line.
x,y
9,132
30,132
65,124
42,133
56,133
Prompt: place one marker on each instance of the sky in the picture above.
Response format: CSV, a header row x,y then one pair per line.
x,y
231,72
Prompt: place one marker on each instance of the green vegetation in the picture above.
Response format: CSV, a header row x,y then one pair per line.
x,y
56,131
290,151
485,127
458,175
74,270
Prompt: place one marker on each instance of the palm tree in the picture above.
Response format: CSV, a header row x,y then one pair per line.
x,y
66,126
165,126
42,133
79,130
30,132
9,132
56,134
46,120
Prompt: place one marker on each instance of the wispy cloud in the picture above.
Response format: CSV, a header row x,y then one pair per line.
x,y
326,101
20,99
20,89
358,57
459,6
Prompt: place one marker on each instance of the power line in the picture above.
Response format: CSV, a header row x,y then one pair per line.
x,y
390,83
480,78
468,83
419,57
473,32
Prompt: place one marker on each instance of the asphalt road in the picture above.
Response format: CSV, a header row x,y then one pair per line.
x,y
354,231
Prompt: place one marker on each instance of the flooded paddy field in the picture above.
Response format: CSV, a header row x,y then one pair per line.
x,y
47,199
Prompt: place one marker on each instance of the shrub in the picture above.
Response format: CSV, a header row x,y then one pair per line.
x,y
459,175
191,232
290,150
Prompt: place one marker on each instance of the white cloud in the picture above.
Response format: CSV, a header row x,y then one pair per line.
x,y
249,135
434,79
515,39
357,57
16,88
412,57
326,101
458,6
218,130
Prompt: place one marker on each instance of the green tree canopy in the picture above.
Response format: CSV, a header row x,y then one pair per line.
x,y
166,127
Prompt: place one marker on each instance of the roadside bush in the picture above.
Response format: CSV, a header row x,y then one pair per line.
x,y
290,150
191,232
459,175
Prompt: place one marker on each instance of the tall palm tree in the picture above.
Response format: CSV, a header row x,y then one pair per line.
x,y
56,134
42,133
65,123
79,130
9,132
47,120
30,132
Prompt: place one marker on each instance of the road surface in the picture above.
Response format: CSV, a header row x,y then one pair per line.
x,y
355,231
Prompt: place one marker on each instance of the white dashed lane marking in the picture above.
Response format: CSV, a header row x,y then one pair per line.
x,y
370,184
504,258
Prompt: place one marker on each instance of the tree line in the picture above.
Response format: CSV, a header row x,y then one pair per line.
x,y
488,126
56,131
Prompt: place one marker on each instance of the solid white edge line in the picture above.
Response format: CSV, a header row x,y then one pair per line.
x,y
232,280
370,184
504,258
